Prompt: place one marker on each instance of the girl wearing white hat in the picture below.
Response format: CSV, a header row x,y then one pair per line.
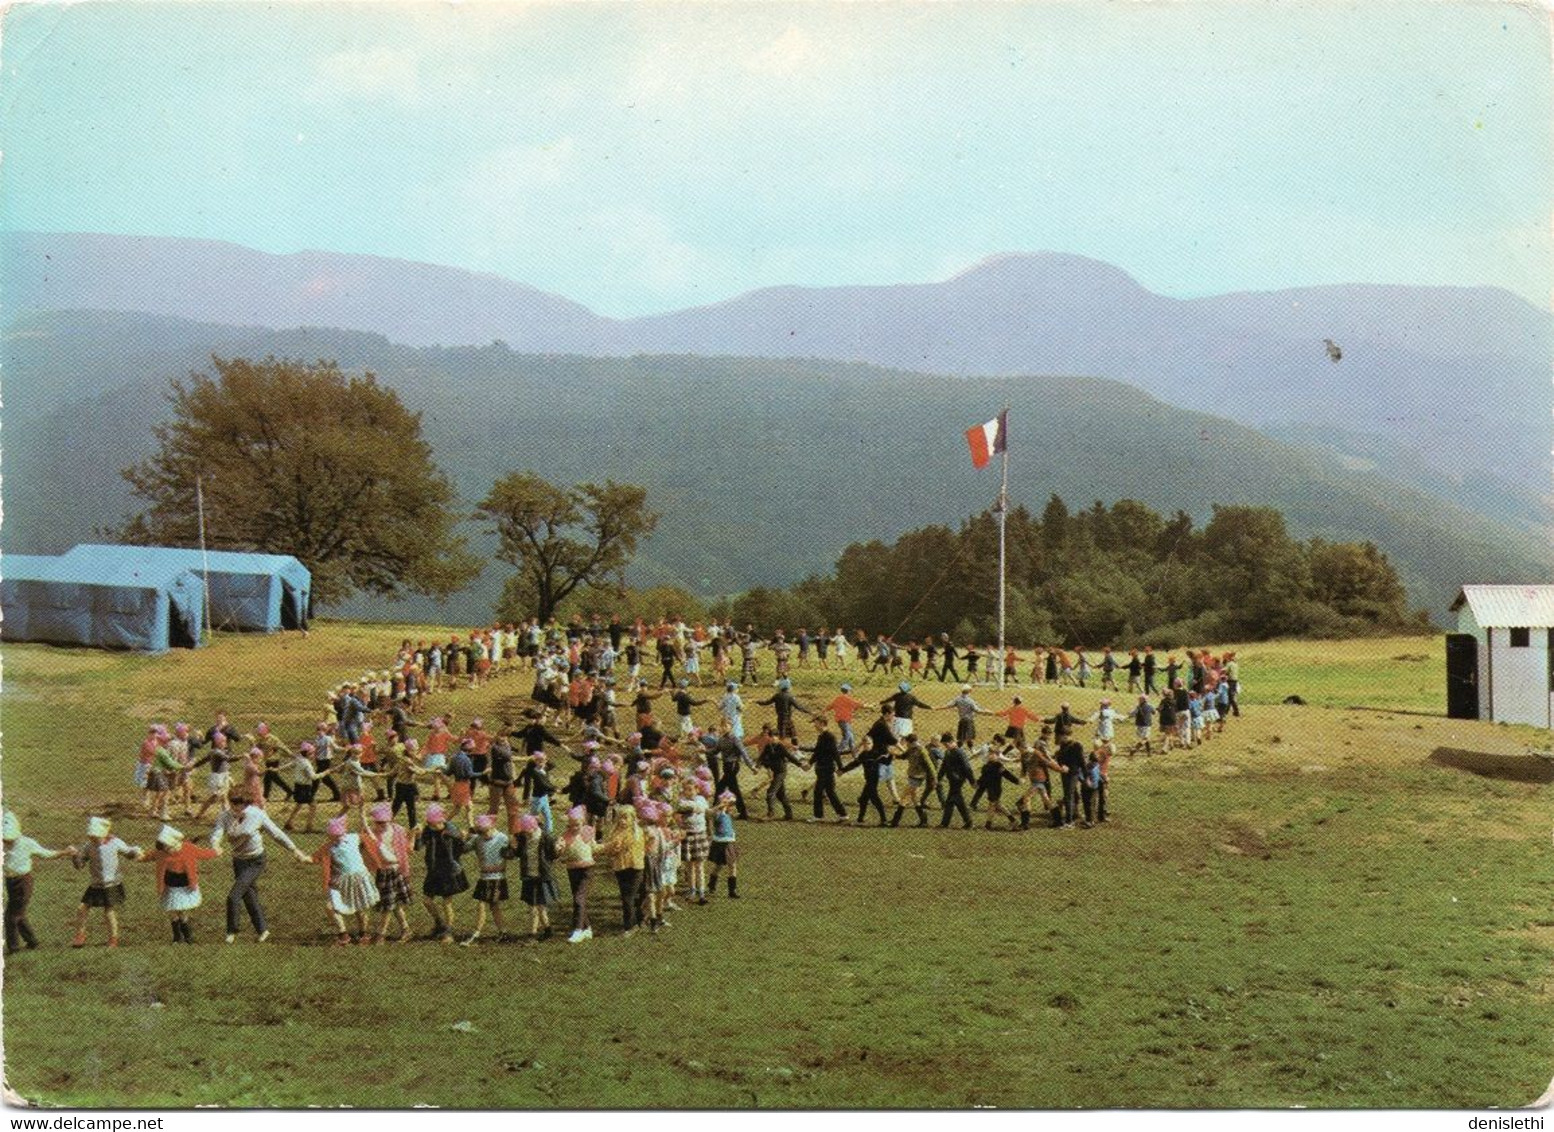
x,y
101,855
178,878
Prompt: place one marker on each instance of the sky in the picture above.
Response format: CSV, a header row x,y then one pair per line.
x,y
644,157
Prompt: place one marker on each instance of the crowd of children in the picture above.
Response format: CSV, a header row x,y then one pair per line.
x,y
656,806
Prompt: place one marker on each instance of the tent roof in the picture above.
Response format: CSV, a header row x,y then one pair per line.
x,y
94,570
190,558
1499,607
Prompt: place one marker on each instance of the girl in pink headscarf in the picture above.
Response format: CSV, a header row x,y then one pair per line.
x,y
386,846
163,776
492,850
156,738
253,777
445,878
536,850
697,842
304,787
347,882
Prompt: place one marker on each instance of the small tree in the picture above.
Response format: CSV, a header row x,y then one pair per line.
x,y
303,460
562,539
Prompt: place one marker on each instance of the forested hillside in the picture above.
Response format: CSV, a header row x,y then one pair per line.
x,y
763,470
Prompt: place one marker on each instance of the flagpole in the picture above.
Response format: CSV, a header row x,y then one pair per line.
x,y
1003,515
199,501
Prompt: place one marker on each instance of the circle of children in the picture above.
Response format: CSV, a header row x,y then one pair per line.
x,y
654,807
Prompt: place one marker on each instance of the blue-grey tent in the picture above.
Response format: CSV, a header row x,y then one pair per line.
x,y
265,592
107,603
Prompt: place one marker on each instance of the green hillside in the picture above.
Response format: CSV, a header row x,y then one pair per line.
x,y
763,470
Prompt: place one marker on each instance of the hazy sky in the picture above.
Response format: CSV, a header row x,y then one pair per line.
x,y
637,158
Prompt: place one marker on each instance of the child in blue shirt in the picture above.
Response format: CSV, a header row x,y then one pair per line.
x,y
1093,787
724,852
461,769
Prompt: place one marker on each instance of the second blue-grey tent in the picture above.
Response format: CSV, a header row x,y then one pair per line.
x,y
102,601
262,592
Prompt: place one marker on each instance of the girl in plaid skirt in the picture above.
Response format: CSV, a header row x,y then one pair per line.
x,y
387,849
652,905
697,845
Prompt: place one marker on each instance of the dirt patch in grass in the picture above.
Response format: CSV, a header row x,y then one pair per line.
x,y
1244,841
1533,768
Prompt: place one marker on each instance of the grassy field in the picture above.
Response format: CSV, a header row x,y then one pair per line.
x,y
1306,911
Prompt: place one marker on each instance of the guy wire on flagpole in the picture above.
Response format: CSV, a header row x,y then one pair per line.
x,y
199,502
1003,510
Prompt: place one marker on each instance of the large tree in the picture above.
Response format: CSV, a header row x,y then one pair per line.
x,y
304,460
560,539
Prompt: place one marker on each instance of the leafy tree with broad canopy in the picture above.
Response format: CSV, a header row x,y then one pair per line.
x,y
560,539
304,460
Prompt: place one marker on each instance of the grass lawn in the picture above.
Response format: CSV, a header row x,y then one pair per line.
x,y
1305,911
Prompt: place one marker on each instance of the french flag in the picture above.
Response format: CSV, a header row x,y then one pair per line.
x,y
987,440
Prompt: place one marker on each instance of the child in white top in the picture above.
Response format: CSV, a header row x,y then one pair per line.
x,y
669,874
101,855
20,853
693,813
304,787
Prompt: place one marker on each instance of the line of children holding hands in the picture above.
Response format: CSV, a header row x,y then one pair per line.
x,y
943,768
366,875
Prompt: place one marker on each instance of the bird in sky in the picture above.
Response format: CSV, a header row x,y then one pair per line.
x,y
1334,354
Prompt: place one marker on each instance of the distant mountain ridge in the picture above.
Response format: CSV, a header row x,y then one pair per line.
x,y
212,281
763,469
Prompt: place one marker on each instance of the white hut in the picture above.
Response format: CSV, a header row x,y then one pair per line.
x,y
1500,662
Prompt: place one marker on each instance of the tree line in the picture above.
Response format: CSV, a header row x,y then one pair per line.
x,y
1122,574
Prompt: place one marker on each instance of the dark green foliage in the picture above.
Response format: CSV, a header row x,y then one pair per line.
x,y
1122,575
304,460
788,608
